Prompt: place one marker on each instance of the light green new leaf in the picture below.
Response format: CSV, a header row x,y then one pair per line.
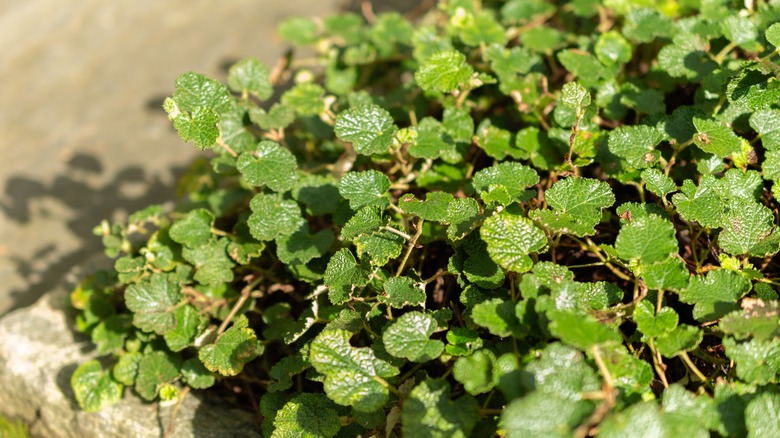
x,y
194,90
510,238
481,29
682,338
232,349
669,274
380,247
462,215
636,144
199,126
211,261
584,65
648,239
745,224
476,371
657,182
577,204
758,362
273,217
429,412
646,24
155,370
401,292
498,316
364,188
715,138
306,99
716,294
581,331
300,247
369,128
772,34
189,324
343,274
653,324
510,176
408,337
575,96
739,29
270,165
762,415
444,71
194,229
307,416
250,76
352,375
298,30
612,48
278,117
150,300
541,415
93,387
701,204
196,375
434,208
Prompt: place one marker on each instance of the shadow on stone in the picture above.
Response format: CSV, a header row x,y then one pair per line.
x,y
86,204
63,382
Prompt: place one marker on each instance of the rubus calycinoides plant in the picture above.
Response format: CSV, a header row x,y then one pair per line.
x,y
516,218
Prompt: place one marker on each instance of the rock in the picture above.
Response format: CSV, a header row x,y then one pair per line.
x,y
38,354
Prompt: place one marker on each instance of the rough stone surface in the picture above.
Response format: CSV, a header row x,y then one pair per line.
x,y
38,354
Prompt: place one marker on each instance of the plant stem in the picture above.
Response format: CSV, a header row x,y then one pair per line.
x,y
389,387
182,395
691,366
410,248
245,292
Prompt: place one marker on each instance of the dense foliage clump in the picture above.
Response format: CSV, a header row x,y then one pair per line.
x,y
521,218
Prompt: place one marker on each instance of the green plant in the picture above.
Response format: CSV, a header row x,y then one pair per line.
x,y
13,429
522,218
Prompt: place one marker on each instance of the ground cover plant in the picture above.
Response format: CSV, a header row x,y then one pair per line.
x,y
520,218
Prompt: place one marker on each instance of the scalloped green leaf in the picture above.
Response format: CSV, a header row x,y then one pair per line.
x,y
344,274
636,144
715,294
648,240
150,300
155,370
300,247
196,375
444,71
270,165
365,188
232,349
273,216
430,412
401,292
513,177
510,238
189,324
211,261
758,319
194,229
353,376
369,128
93,387
581,331
306,99
433,208
577,204
715,138
758,362
682,338
408,337
476,371
252,77
652,323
